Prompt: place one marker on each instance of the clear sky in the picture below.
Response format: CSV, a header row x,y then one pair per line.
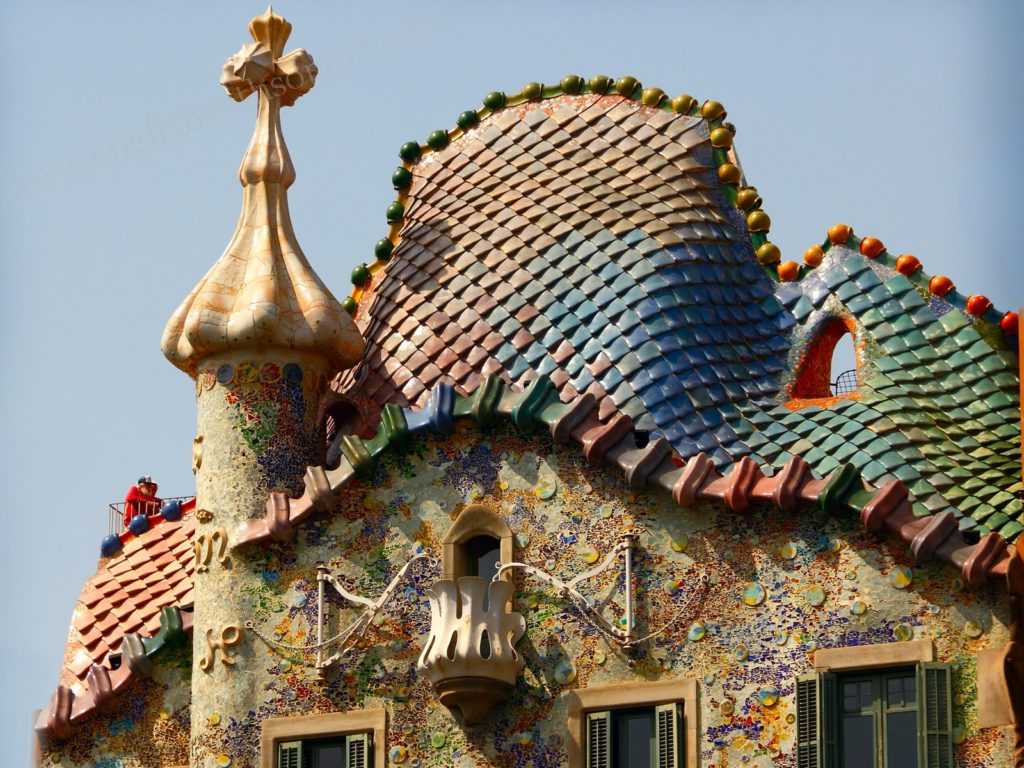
x,y
119,152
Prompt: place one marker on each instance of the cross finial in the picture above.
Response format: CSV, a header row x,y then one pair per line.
x,y
260,64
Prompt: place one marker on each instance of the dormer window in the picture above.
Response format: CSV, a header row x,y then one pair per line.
x,y
829,364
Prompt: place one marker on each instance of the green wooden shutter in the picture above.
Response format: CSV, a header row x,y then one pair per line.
x,y
358,753
935,715
599,740
289,754
669,723
815,720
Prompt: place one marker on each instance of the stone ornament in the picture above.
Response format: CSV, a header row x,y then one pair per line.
x,y
197,454
230,636
206,544
262,292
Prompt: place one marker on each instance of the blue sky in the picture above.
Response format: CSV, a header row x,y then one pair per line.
x,y
119,154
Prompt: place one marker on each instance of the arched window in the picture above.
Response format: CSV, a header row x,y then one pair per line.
x,y
475,543
829,365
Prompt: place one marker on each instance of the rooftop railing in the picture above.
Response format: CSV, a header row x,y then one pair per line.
x,y
845,383
116,526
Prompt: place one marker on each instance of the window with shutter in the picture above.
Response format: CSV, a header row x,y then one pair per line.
x,y
807,743
357,751
599,740
935,716
668,721
289,754
883,718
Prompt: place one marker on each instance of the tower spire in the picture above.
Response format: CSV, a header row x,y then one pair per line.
x,y
262,292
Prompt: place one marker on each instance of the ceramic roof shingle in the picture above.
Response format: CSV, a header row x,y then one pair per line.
x,y
586,238
126,594
590,238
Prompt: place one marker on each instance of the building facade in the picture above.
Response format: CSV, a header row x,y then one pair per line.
x,y
567,479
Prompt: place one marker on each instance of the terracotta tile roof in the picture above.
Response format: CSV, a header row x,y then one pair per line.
x,y
133,600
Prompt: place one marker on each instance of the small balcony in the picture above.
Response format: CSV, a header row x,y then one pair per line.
x,y
115,511
470,657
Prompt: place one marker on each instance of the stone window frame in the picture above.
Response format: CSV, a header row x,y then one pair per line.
x,y
625,695
475,520
854,657
277,729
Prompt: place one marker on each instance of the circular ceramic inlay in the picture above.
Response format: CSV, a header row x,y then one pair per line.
x,y
398,754
780,637
787,551
438,739
225,373
901,576
858,607
545,489
768,697
815,595
588,555
671,586
790,718
565,672
727,707
903,632
741,652
973,630
600,657
753,594
680,543
522,539
213,719
697,631
222,761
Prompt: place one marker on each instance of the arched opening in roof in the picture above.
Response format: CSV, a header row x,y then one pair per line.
x,y
829,366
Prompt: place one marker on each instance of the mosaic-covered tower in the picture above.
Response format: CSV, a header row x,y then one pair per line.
x,y
261,335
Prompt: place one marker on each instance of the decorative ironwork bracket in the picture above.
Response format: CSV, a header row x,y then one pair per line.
x,y
348,637
590,609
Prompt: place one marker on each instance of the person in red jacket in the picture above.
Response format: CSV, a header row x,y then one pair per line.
x,y
141,499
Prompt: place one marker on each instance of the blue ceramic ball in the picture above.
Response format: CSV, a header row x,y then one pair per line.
x,y
111,545
171,510
139,525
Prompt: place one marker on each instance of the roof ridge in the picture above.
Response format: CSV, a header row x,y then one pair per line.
x,y
721,135
977,306
137,653
655,463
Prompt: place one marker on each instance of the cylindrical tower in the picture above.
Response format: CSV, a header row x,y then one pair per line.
x,y
261,335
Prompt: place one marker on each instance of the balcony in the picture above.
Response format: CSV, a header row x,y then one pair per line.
x,y
470,657
115,511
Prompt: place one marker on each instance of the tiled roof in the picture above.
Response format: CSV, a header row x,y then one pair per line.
x,y
585,238
591,238
123,615
653,463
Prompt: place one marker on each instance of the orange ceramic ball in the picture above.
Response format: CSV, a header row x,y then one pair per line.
x,y
788,270
813,255
940,285
1010,323
872,247
978,305
839,233
907,264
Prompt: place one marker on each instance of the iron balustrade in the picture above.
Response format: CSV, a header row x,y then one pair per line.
x,y
116,526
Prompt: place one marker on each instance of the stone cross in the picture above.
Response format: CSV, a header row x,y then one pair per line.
x,y
261,65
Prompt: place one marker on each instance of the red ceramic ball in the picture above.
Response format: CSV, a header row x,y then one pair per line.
x,y
978,305
907,264
940,285
1010,323
788,271
839,233
872,247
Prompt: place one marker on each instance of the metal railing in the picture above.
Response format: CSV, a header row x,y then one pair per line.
x,y
845,383
115,510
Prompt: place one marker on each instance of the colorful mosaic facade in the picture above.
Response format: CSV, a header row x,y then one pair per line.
x,y
576,327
